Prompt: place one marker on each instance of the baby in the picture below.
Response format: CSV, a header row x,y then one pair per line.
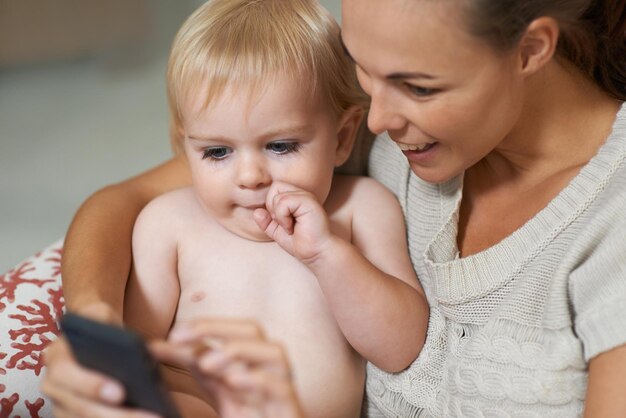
x,y
265,105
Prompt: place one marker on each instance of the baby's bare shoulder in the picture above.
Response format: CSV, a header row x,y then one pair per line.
x,y
354,191
170,210
176,202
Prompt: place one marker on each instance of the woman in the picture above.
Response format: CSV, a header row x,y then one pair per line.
x,y
507,148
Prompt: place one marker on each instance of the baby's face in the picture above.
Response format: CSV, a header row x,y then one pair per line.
x,y
237,147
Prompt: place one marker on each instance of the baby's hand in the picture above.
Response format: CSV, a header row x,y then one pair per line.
x,y
295,220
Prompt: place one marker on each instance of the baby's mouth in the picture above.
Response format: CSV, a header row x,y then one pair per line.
x,y
253,207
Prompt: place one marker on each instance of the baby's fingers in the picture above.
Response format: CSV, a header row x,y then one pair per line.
x,y
286,210
264,220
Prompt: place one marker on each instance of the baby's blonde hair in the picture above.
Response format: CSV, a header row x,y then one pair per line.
x,y
250,42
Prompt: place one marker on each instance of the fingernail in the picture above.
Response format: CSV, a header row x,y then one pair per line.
x,y
111,392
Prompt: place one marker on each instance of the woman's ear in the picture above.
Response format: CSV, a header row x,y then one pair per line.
x,y
348,127
538,44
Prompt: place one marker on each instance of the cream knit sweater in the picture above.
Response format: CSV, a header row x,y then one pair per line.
x,y
513,327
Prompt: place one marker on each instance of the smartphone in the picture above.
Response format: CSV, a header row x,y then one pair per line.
x,y
123,355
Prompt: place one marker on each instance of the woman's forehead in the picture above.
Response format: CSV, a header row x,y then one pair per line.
x,y
423,37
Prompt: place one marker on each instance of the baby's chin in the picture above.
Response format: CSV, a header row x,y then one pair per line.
x,y
250,232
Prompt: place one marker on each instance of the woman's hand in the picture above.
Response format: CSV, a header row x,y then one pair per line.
x,y
79,392
245,375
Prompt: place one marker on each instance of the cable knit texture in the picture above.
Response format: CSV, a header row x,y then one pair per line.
x,y
512,327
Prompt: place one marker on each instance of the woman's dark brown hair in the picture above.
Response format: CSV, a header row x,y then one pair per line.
x,y
592,33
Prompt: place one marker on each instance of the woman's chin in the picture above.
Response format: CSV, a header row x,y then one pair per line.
x,y
433,175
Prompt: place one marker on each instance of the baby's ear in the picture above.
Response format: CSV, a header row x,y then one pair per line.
x,y
347,129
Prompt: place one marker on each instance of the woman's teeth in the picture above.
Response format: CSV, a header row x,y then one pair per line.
x,y
420,147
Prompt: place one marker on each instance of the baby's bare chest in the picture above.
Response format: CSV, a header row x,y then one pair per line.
x,y
251,279
223,277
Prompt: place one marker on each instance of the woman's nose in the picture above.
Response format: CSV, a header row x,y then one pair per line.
x,y
383,114
252,174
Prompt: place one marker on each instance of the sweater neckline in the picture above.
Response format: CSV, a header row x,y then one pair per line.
x,y
460,280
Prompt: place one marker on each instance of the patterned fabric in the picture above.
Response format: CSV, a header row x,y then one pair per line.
x,y
31,302
513,327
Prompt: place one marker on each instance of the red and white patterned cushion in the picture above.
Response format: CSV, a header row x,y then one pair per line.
x,y
31,302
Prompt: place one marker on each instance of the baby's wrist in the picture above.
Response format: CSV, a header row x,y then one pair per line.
x,y
326,256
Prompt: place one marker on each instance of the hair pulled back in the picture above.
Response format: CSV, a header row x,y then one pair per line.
x,y
592,33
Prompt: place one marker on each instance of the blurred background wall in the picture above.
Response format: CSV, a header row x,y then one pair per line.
x,y
82,105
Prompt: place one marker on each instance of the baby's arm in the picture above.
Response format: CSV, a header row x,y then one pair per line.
x,y
153,291
369,283
153,288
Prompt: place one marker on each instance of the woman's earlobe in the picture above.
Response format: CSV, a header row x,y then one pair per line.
x,y
538,45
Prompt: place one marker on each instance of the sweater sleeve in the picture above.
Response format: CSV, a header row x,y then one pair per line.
x,y
598,285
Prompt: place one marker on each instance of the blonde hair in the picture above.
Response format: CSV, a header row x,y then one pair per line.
x,y
250,42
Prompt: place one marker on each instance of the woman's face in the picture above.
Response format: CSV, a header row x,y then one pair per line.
x,y
446,98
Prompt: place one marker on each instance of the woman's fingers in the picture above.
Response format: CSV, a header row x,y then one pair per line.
x,y
233,361
203,330
261,381
214,345
65,376
252,353
77,407
181,355
256,368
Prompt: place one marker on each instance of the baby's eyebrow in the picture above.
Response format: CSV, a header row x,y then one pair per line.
x,y
296,129
200,138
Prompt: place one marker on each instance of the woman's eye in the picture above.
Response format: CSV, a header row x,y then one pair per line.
x,y
283,147
421,91
216,153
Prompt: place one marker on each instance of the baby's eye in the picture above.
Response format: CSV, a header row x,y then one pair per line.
x,y
216,153
283,147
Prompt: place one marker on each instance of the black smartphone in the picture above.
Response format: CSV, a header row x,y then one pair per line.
x,y
122,354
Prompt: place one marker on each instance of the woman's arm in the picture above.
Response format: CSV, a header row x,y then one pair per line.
x,y
95,267
97,252
607,380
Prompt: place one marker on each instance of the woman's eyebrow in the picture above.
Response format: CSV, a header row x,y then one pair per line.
x,y
409,76
394,76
